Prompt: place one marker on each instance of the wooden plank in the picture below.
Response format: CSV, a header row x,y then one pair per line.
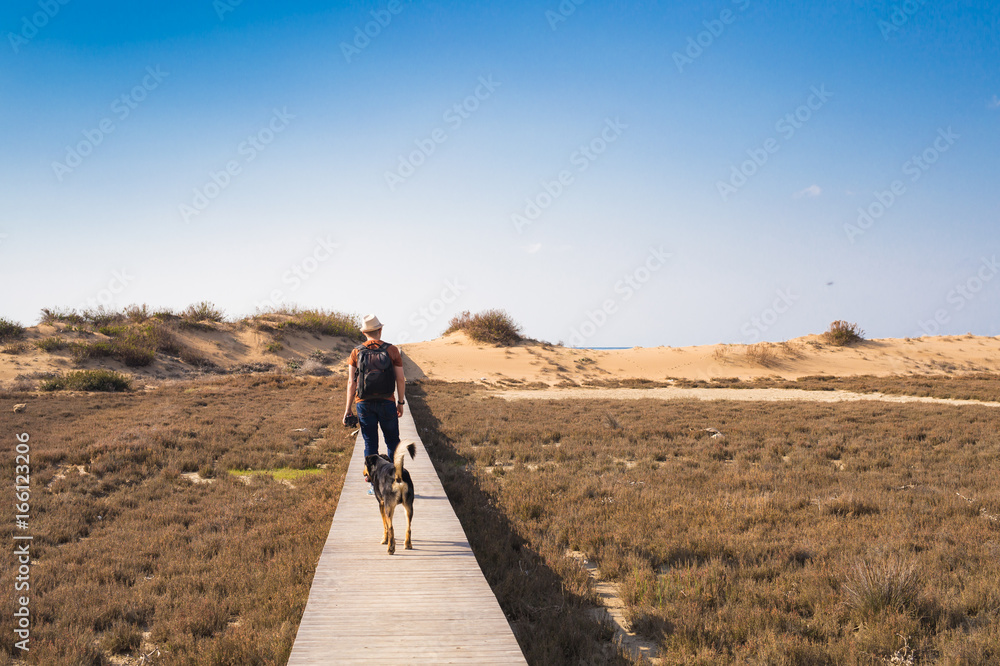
x,y
429,605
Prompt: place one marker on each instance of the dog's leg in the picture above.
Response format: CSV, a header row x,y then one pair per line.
x,y
391,533
385,526
409,520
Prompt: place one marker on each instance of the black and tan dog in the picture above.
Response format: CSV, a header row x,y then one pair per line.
x,y
393,486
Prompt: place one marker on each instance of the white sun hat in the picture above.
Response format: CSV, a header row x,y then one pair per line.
x,y
370,323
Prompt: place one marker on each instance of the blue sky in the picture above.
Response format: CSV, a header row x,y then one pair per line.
x,y
610,173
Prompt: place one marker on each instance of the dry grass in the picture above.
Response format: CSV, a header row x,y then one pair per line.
x,y
842,333
130,555
494,327
762,354
769,546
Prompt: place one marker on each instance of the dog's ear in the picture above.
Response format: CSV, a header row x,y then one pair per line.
x,y
370,461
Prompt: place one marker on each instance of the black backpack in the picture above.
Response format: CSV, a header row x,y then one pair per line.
x,y
376,375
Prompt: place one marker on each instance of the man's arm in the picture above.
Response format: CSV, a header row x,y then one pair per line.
x,y
352,387
400,389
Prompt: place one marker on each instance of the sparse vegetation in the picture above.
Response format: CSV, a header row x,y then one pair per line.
x,y
737,550
323,322
762,354
15,347
51,344
10,330
203,312
494,327
216,573
842,333
88,380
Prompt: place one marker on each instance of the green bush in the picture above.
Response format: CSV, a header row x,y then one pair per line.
x,y
203,311
88,380
112,330
133,346
10,330
489,326
842,333
86,350
51,344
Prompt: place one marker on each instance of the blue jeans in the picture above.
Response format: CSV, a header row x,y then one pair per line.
x,y
372,414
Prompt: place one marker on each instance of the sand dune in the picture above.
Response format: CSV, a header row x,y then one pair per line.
x,y
454,357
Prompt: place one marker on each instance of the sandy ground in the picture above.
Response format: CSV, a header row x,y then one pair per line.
x,y
747,395
456,358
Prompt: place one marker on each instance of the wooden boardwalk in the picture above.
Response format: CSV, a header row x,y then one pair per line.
x,y
429,605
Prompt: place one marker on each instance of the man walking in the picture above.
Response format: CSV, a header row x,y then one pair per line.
x,y
375,373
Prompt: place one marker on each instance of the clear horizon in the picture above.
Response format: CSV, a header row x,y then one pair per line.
x,y
727,171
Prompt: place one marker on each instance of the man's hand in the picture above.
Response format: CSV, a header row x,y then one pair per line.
x,y
399,410
344,419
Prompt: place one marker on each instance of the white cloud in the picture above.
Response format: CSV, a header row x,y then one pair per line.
x,y
533,248
811,191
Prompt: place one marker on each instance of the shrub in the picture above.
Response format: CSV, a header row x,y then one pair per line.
x,y
489,326
84,350
872,588
762,354
112,330
15,347
324,322
51,344
134,350
842,333
160,337
88,380
273,347
102,316
10,330
121,638
57,316
137,314
203,311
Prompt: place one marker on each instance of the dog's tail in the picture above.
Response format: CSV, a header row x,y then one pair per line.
x,y
400,454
